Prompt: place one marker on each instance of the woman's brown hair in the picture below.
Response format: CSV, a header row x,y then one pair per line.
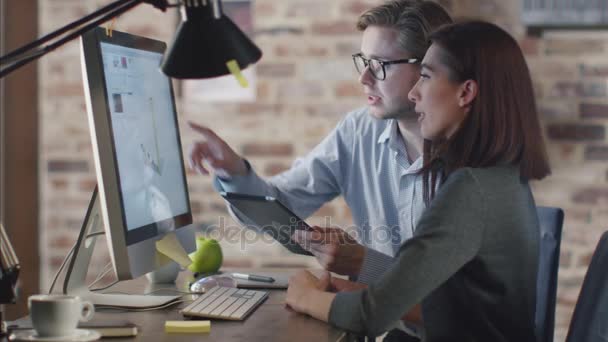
x,y
502,126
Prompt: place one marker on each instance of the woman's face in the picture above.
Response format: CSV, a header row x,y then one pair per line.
x,y
441,104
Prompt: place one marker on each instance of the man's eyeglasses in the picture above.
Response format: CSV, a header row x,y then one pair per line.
x,y
377,67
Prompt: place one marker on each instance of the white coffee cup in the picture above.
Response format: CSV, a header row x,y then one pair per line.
x,y
58,315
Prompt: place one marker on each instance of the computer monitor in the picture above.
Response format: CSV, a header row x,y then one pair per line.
x,y
142,191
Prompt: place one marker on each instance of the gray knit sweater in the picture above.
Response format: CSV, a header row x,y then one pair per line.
x,y
472,264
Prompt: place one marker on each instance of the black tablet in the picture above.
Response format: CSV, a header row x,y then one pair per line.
x,y
271,216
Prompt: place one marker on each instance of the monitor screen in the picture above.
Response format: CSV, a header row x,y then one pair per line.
x,y
143,193
145,136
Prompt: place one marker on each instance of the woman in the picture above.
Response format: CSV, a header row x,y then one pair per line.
x,y
473,260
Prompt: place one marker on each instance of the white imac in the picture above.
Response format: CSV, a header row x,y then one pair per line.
x,y
142,193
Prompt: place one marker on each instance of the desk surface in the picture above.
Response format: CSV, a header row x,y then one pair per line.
x,y
272,321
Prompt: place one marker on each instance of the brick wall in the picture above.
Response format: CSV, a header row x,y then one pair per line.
x,y
305,84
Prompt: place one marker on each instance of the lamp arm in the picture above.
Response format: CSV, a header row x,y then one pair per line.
x,y
66,28
25,55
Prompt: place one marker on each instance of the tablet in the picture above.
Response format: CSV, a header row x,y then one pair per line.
x,y
271,216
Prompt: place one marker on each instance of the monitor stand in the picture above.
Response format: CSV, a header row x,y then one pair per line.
x,y
75,279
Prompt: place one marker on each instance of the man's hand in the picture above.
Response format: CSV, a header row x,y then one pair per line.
x,y
335,250
216,154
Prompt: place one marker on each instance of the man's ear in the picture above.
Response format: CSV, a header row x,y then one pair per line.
x,y
468,93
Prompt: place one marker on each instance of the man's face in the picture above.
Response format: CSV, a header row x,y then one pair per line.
x,y
388,99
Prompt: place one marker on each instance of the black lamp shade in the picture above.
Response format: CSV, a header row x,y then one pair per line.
x,y
204,44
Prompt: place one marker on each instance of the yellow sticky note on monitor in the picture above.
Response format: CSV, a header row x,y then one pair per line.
x,y
187,326
235,70
172,248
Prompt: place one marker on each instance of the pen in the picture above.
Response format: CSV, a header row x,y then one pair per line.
x,y
253,277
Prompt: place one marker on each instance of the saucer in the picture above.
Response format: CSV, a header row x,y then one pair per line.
x,y
80,335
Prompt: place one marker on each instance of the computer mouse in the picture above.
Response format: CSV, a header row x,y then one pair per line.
x,y
204,284
197,287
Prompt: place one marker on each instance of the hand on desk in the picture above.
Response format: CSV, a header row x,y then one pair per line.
x,y
335,250
217,154
306,294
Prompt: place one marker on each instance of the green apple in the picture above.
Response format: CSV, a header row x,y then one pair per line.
x,y
208,256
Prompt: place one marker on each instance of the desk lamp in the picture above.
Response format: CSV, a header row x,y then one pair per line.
x,y
205,42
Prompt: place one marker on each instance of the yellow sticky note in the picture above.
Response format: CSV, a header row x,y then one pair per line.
x,y
171,247
235,70
187,326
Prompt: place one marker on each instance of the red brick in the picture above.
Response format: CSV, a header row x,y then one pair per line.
x,y
576,132
87,185
590,196
529,46
356,8
584,260
567,151
268,149
67,166
587,70
272,169
280,30
288,49
218,208
567,89
307,9
62,242
59,184
298,90
340,27
196,206
347,48
593,111
574,47
596,153
348,89
264,9
262,90
279,70
565,259
259,108
560,112
64,89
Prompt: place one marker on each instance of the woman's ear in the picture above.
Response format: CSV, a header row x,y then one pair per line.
x,y
468,93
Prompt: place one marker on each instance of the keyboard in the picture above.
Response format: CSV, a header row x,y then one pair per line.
x,y
225,303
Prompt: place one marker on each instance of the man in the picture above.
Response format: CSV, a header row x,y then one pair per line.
x,y
371,157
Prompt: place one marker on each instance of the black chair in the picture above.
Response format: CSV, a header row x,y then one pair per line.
x,y
551,221
590,319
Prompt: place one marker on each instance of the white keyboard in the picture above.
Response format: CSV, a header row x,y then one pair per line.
x,y
225,303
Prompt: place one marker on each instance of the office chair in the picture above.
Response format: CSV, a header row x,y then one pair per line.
x,y
590,319
550,220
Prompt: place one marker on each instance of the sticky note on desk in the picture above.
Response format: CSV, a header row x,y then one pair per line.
x,y
187,326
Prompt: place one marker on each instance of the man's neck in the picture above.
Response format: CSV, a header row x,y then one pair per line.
x,y
409,129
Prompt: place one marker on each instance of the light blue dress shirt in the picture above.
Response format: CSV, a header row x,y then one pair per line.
x,y
365,160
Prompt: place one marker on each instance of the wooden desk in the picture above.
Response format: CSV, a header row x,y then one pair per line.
x,y
272,321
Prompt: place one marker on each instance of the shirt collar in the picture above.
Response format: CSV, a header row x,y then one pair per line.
x,y
389,131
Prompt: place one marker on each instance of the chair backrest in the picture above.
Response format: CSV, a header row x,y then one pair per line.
x,y
551,221
590,319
